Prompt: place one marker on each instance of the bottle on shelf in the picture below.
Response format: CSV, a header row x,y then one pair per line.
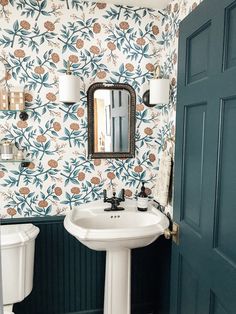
x,y
142,199
7,150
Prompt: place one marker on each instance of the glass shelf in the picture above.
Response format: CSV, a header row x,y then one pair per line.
x,y
14,160
24,162
23,113
13,110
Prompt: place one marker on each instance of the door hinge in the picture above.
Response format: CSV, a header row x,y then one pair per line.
x,y
174,233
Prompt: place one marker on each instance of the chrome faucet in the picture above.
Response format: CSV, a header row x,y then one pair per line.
x,y
114,201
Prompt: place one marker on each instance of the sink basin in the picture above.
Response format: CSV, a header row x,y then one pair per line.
x,y
116,232
100,230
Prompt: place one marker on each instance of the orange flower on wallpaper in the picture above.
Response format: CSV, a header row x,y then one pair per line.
x,y
49,26
39,70
58,191
22,124
79,43
50,96
55,57
24,24
24,190
111,46
150,67
41,138
75,190
81,176
101,75
73,59
138,169
74,126
152,157
53,163
124,25
95,50
95,180
19,53
56,126
80,112
111,175
129,67
2,174
101,6
28,97
96,28
43,203
11,212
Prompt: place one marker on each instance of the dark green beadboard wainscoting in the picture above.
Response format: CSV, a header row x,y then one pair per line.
x,y
69,277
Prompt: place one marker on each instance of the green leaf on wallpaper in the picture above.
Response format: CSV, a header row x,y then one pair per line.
x,y
43,4
9,31
47,145
48,210
16,26
47,85
161,42
45,77
152,36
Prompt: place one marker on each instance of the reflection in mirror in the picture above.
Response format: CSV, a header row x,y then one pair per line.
x,y
111,120
111,112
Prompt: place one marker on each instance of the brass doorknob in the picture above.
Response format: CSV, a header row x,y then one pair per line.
x,y
174,234
168,234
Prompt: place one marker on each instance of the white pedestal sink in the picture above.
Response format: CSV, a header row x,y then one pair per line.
x,y
116,232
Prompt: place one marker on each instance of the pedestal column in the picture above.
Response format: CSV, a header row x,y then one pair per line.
x,y
117,282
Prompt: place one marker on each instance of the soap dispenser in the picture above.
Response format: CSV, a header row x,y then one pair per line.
x,y
142,199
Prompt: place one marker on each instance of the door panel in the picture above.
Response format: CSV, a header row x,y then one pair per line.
x,y
205,163
230,38
198,54
225,229
194,131
188,288
120,118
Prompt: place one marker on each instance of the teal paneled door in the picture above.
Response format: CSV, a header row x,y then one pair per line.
x,y
204,264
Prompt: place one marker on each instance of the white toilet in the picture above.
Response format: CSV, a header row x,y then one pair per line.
x,y
17,255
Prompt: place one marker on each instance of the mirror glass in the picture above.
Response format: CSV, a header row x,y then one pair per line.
x,y
111,119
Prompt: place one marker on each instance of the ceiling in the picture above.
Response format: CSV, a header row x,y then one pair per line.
x,y
155,4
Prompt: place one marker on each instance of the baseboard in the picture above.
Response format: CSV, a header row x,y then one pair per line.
x,y
136,309
143,308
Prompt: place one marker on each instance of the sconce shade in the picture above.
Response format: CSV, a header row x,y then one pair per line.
x,y
69,89
159,91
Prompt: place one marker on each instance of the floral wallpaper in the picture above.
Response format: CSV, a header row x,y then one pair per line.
x,y
104,43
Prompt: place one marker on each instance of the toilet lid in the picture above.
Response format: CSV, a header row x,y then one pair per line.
x,y
17,234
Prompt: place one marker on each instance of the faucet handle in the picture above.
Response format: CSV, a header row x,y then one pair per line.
x,y
104,195
122,198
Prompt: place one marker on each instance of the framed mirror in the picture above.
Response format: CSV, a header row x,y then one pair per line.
x,y
111,120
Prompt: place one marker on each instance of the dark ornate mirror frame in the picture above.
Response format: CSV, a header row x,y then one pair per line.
x,y
132,118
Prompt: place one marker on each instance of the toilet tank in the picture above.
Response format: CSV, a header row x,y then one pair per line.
x,y
17,253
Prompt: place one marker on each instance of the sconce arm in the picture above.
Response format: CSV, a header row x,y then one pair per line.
x,y
157,72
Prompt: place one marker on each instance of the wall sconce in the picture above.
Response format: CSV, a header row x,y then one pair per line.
x,y
159,91
69,87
